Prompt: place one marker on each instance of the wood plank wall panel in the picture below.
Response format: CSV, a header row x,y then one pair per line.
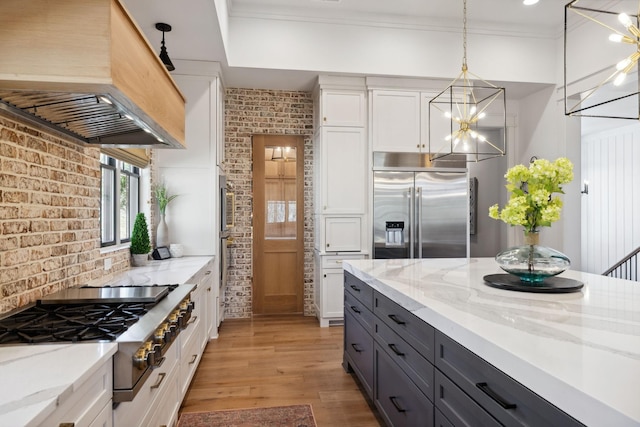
x,y
611,210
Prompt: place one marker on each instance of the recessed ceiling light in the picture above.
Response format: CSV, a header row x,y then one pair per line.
x,y
529,2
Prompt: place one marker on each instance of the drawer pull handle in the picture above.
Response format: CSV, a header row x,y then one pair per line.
x,y
355,288
355,309
192,320
394,401
193,359
395,350
357,348
395,319
161,376
484,387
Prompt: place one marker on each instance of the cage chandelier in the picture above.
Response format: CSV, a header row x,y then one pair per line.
x,y
458,112
616,95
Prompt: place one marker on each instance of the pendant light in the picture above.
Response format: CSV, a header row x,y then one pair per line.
x,y
164,56
613,47
456,116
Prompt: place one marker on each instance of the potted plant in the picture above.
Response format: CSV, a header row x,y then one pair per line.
x,y
140,243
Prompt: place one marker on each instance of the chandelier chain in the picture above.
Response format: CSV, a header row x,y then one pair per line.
x,y
464,35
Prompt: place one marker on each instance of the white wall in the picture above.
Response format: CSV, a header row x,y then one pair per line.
x,y
611,210
377,50
491,234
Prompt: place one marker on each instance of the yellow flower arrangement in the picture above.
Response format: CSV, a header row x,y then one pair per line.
x,y
532,203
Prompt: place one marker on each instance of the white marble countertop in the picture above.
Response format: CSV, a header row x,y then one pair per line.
x,y
580,351
161,272
38,378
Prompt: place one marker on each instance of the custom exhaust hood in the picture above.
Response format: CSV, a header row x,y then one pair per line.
x,y
84,69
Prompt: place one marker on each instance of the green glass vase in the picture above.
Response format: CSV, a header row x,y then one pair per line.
x,y
531,262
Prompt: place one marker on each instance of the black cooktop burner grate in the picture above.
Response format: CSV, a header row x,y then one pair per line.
x,y
71,323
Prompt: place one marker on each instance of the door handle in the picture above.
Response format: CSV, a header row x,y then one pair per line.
x,y
484,387
394,401
395,350
412,217
419,220
395,319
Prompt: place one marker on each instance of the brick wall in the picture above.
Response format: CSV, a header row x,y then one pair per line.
x,y
49,215
248,112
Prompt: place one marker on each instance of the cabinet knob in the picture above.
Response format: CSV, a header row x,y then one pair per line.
x,y
325,276
418,146
327,245
324,119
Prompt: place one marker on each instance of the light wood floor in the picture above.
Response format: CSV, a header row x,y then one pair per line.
x,y
279,360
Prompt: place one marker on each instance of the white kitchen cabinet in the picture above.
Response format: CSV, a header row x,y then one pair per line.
x,y
86,406
193,173
396,121
104,418
204,297
219,128
329,295
342,234
342,108
342,171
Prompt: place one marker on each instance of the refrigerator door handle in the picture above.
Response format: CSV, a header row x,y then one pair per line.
x,y
418,222
412,232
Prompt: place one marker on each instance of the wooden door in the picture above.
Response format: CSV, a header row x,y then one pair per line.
x,y
278,220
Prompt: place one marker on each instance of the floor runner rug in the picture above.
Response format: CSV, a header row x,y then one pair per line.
x,y
278,416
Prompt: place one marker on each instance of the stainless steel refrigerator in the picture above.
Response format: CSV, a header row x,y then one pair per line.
x,y
420,213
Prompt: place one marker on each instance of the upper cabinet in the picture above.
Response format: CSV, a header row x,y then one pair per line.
x,y
395,121
341,108
343,173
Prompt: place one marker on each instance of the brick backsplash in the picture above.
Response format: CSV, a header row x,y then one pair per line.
x,y
249,112
49,215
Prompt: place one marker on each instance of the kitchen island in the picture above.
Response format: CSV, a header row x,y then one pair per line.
x,y
579,351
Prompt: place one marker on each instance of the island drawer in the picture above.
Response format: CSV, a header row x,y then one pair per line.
x,y
441,420
458,408
504,398
359,311
414,330
359,289
358,345
409,360
397,398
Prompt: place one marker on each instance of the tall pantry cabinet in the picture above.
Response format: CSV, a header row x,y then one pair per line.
x,y
193,174
340,188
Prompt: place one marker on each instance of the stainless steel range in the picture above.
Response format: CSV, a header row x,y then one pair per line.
x,y
143,320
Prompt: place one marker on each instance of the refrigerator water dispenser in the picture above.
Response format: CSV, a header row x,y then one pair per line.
x,y
394,233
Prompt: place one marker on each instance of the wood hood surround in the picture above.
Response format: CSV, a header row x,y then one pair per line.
x,y
63,55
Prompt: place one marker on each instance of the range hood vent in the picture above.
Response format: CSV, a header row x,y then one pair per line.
x,y
83,69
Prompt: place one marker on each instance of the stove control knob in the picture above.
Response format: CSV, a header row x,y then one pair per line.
x,y
140,358
158,336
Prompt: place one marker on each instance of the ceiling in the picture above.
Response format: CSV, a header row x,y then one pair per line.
x,y
196,33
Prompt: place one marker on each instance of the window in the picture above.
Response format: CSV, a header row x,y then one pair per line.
x,y
119,201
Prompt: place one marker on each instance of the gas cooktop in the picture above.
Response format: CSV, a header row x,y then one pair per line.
x,y
125,294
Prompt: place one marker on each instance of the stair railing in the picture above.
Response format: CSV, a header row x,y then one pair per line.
x,y
626,268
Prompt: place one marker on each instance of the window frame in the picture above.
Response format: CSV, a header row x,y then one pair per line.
x,y
120,169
